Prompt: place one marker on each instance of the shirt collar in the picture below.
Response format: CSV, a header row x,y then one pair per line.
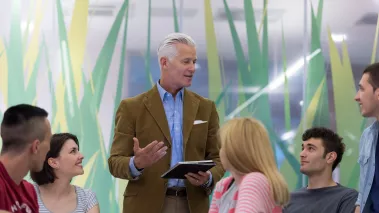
x,y
375,125
163,92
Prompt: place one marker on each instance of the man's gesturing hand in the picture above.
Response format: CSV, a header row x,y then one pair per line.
x,y
145,157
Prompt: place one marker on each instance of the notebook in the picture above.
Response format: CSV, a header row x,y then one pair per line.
x,y
180,169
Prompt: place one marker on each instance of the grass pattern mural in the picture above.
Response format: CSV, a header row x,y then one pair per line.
x,y
20,62
75,101
254,73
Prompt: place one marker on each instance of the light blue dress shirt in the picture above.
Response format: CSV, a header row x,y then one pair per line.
x,y
367,162
174,114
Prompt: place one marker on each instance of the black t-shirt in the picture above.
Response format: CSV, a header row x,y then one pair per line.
x,y
334,199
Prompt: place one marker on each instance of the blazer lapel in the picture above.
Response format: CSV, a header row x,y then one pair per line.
x,y
154,105
190,106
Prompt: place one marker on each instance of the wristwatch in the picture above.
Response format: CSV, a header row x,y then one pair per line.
x,y
205,185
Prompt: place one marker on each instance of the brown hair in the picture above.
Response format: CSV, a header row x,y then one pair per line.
x,y
373,72
330,140
47,174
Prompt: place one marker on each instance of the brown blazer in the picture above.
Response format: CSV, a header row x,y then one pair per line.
x,y
144,117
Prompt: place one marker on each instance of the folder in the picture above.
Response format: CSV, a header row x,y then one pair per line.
x,y
180,169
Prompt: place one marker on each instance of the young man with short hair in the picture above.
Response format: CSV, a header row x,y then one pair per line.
x,y
368,100
26,133
322,151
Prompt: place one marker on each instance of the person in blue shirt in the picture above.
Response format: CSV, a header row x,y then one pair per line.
x,y
368,100
161,127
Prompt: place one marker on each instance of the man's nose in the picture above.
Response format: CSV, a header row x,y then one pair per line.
x,y
356,98
302,154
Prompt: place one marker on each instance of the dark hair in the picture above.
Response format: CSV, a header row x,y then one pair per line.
x,y
47,175
21,125
373,72
330,140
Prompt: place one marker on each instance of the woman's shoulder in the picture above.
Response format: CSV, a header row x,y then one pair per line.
x,y
36,189
35,186
86,194
255,180
87,198
257,177
224,182
222,186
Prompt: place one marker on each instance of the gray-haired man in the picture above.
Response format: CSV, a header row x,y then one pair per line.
x,y
160,121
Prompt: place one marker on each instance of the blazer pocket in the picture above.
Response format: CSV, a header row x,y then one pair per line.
x,y
200,131
201,126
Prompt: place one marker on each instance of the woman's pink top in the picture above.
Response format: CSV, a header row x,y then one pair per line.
x,y
252,196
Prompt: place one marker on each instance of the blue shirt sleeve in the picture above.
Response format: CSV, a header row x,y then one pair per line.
x,y
133,169
210,180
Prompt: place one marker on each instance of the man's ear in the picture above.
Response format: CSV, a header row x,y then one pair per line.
x,y
35,146
163,62
331,157
376,93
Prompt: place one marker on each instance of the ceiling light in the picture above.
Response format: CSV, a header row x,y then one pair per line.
x,y
339,37
24,24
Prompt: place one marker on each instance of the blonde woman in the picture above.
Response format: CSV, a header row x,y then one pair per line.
x,y
255,184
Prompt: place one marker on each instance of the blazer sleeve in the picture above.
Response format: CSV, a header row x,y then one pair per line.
x,y
122,145
213,148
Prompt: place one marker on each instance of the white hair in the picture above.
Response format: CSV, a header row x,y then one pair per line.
x,y
167,47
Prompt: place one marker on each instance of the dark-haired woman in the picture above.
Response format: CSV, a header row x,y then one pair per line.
x,y
55,192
